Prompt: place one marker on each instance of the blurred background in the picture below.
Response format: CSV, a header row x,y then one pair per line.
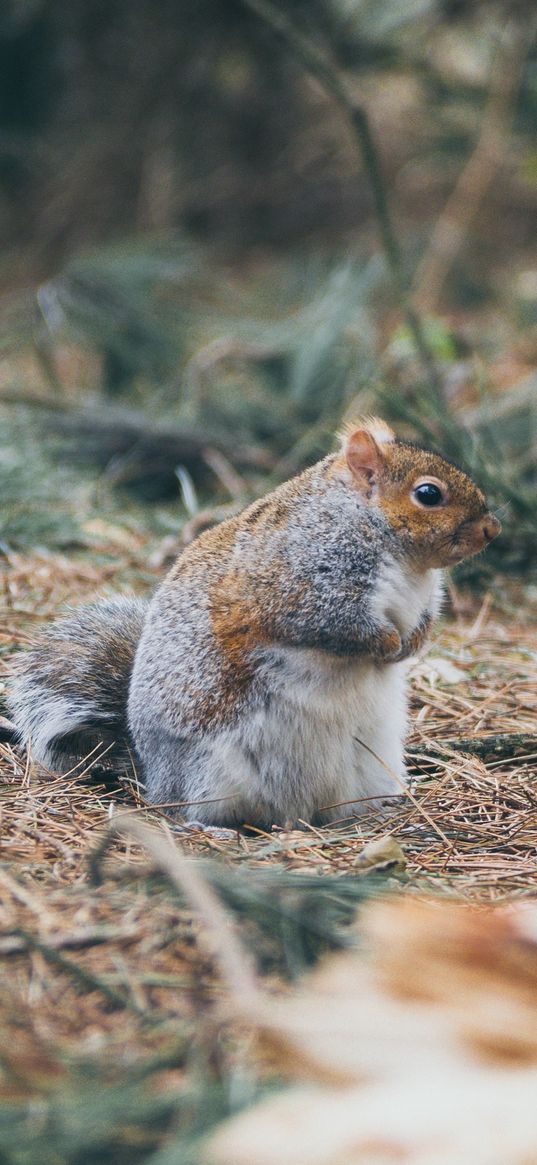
x,y
227,225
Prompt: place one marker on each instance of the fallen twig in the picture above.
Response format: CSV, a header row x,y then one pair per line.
x,y
497,746
17,943
80,975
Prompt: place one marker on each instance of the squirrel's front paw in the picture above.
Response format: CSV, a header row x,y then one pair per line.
x,y
415,640
387,645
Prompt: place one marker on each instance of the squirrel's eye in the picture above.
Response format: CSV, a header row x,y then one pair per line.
x,y
428,494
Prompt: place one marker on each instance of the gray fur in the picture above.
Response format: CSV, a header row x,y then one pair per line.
x,y
290,746
68,693
322,565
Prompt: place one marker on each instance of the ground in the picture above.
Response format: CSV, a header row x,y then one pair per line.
x,y
102,962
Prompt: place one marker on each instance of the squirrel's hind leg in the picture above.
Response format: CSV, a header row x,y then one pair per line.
x,y
188,774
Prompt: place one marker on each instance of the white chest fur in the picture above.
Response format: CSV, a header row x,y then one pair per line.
x,y
308,748
402,595
330,731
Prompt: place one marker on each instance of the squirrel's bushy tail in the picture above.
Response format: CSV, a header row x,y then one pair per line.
x,y
69,692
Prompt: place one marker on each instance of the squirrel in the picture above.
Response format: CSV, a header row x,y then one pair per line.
x,y
265,681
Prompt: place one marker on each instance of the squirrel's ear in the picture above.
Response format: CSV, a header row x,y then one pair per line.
x,y
364,457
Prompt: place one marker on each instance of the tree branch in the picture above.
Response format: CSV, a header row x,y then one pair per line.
x,y
477,175
318,64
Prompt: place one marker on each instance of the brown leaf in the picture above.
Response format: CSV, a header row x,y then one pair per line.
x,y
384,855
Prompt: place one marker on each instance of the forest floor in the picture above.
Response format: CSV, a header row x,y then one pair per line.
x,y
104,963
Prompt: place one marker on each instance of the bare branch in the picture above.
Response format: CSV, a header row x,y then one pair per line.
x,y
475,179
329,75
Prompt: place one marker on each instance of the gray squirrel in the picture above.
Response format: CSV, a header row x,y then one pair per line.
x,y
265,682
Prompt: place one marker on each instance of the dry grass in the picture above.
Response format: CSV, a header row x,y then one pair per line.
x,y
117,970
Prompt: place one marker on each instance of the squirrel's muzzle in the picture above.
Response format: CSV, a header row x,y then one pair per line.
x,y
474,536
491,527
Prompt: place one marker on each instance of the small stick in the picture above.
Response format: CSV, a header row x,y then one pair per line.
x,y
80,975
502,744
226,474
17,942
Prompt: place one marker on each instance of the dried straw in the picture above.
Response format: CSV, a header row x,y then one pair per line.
x,y
88,967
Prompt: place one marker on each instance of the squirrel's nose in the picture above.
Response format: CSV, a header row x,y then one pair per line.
x,y
491,527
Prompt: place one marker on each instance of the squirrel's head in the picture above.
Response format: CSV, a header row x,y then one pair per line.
x,y
435,509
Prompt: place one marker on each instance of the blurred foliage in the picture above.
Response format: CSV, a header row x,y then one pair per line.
x,y
185,210
189,254
114,122
268,364
154,1108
